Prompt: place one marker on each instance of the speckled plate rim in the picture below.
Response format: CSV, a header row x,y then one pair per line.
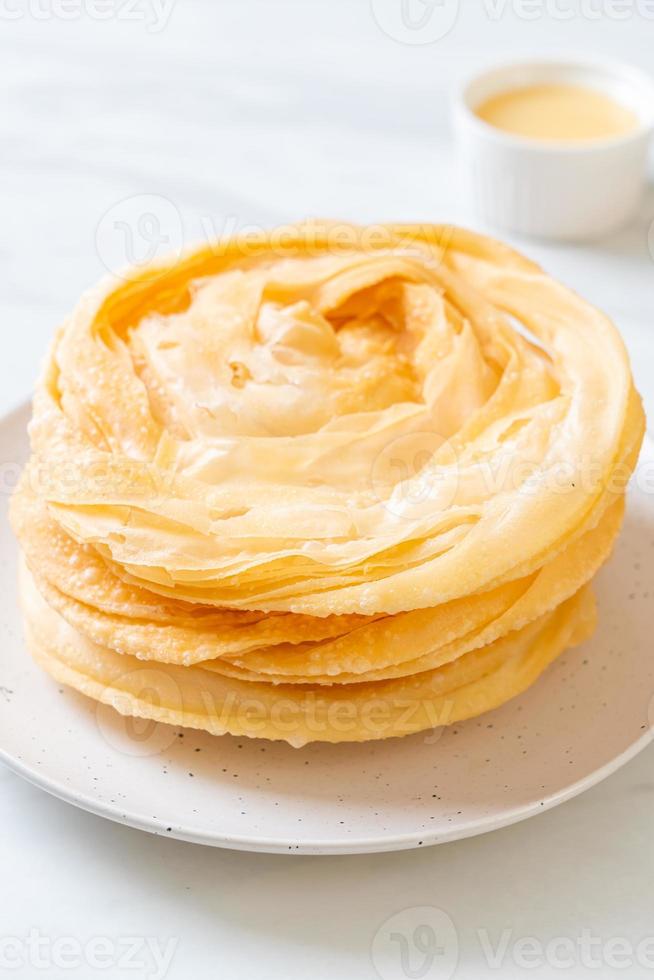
x,y
362,845
357,845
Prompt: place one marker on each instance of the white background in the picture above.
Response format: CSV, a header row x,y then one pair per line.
x,y
245,112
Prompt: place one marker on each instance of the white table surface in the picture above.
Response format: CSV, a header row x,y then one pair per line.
x,y
245,112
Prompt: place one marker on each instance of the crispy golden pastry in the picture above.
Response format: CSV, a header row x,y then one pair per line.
x,y
332,483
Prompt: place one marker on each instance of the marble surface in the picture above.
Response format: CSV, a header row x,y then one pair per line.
x,y
172,121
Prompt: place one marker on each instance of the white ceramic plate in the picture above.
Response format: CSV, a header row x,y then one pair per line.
x,y
591,712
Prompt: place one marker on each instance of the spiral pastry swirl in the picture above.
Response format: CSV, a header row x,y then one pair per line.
x,y
334,484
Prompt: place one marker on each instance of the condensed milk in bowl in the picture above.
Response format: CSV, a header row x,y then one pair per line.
x,y
556,149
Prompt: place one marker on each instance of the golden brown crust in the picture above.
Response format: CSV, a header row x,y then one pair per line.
x,y
332,460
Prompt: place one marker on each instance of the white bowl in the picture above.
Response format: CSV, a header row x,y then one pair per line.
x,y
552,189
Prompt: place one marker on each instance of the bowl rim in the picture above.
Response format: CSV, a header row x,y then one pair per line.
x,y
636,78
